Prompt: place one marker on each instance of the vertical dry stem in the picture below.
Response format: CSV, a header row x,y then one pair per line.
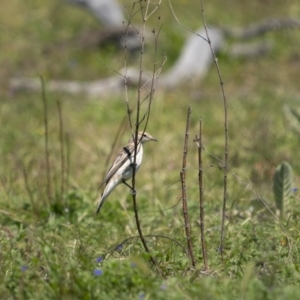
x,y
183,189
225,105
28,189
121,129
68,164
136,129
201,197
62,152
47,153
137,123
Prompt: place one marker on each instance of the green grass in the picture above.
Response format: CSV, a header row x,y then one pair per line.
x,y
50,247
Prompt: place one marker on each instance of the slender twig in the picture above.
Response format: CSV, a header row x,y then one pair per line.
x,y
47,153
3,190
62,152
260,199
225,105
201,197
157,236
186,28
137,220
121,129
183,189
136,142
248,186
68,164
155,74
126,81
28,189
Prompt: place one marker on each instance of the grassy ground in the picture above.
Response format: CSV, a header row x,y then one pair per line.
x,y
57,248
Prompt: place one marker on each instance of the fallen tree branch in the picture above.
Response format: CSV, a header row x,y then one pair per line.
x,y
102,87
262,27
249,50
92,39
192,64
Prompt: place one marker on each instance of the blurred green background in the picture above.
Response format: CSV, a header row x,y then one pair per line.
x,y
52,248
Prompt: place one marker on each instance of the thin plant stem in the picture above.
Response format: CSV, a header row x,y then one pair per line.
x,y
47,153
225,105
120,132
155,74
129,111
137,220
137,143
107,255
183,189
3,190
62,152
28,189
68,164
201,197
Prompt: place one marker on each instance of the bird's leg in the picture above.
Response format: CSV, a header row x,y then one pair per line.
x,y
132,190
123,181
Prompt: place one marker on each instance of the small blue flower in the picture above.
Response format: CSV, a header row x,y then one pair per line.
x,y
142,296
99,259
98,272
294,190
24,268
119,248
133,265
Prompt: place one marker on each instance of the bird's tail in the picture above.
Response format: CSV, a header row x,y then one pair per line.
x,y
101,202
108,189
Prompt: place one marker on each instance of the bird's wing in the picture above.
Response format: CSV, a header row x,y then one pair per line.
x,y
122,157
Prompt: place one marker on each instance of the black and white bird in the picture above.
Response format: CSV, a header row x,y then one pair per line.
x,y
122,168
